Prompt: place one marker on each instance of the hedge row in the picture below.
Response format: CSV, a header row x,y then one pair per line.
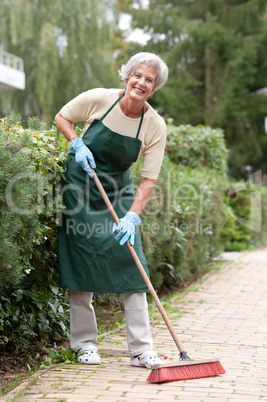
x,y
31,304
182,222
244,203
197,146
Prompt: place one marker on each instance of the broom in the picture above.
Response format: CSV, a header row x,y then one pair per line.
x,y
185,368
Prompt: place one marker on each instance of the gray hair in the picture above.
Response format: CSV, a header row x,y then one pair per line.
x,y
151,60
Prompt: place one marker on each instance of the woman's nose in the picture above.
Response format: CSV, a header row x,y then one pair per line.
x,y
142,81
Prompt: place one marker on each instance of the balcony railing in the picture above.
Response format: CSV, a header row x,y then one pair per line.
x,y
12,61
11,71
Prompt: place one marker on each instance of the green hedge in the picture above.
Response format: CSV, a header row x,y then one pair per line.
x,y
182,222
31,305
245,220
197,146
246,223
189,200
29,171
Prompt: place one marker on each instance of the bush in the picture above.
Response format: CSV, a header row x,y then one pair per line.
x,y
29,171
36,309
246,222
197,146
30,165
17,191
203,146
182,222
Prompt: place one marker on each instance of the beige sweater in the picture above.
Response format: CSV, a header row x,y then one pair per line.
x,y
93,104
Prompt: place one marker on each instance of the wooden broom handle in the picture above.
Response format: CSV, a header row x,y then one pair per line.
x,y
138,263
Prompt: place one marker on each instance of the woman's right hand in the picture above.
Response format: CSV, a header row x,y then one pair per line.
x,y
125,230
83,155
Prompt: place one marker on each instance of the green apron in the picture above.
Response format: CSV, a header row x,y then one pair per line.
x,y
90,258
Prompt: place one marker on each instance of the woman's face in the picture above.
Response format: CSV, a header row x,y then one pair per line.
x,y
141,83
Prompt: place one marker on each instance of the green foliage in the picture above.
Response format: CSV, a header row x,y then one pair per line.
x,y
246,221
30,166
236,236
215,51
65,355
36,309
241,111
197,146
17,230
182,222
29,170
66,47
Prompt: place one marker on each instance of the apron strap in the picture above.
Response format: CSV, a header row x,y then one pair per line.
x,y
140,124
114,104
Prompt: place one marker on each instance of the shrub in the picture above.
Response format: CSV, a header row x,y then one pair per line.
x,y
29,170
197,146
182,222
17,191
36,309
187,208
30,165
246,222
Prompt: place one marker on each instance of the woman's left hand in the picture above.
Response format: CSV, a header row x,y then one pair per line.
x,y
125,230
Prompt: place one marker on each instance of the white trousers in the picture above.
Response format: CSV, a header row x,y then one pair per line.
x,y
83,325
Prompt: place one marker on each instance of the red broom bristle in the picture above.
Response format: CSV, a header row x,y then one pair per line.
x,y
176,373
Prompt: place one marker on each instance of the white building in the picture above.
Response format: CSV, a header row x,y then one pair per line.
x,y
12,74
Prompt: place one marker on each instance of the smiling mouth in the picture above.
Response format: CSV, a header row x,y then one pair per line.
x,y
139,90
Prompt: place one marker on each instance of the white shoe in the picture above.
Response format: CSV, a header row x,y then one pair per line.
x,y
147,359
89,357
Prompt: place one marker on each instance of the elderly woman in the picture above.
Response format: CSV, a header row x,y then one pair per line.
x,y
120,127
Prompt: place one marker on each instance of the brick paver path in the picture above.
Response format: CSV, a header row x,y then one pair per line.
x,y
224,316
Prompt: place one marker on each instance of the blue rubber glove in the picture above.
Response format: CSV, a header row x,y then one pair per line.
x,y
82,154
125,230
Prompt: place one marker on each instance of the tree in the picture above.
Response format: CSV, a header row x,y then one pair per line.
x,y
66,47
216,52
